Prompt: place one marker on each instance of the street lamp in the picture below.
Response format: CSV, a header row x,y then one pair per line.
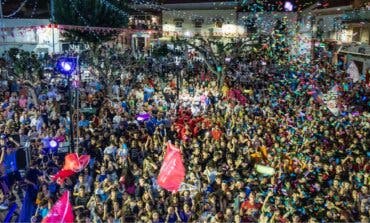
x,y
67,66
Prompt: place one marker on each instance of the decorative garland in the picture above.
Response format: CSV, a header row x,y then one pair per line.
x,y
81,28
83,19
16,11
35,6
114,8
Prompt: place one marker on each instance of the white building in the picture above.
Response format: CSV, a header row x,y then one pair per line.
x,y
29,34
266,21
342,34
207,19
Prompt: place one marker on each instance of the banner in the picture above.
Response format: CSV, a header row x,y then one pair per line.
x,y
353,72
61,211
172,172
72,164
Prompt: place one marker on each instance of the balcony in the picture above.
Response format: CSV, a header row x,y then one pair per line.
x,y
356,16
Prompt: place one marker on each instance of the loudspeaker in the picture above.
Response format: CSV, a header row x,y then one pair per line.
x,y
20,156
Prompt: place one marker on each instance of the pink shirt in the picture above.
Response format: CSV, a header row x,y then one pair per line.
x,y
22,102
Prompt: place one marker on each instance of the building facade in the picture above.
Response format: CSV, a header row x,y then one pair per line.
x,y
339,33
200,18
36,35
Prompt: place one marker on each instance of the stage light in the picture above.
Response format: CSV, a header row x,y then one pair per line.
x,y
288,6
143,117
53,144
66,65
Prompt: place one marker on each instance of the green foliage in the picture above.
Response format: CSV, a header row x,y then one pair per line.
x,y
91,13
160,51
25,64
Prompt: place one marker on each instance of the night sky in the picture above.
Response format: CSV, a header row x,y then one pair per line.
x,y
42,6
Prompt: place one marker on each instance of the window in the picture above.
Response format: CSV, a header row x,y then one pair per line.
x,y
198,24
178,24
218,24
356,34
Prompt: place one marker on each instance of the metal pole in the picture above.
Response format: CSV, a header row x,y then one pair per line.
x,y
53,38
1,11
52,22
2,22
177,83
77,95
70,114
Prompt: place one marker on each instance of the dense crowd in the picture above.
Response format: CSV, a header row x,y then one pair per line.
x,y
321,160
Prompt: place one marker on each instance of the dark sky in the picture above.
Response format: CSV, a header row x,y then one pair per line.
x,y
40,8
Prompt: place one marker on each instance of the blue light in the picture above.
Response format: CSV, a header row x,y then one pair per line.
x,y
53,144
66,65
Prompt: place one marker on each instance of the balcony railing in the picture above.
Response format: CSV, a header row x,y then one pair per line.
x,y
356,16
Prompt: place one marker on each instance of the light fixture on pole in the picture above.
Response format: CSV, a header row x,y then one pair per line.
x,y
67,66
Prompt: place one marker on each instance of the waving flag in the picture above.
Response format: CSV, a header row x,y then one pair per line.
x,y
353,72
61,212
73,163
172,172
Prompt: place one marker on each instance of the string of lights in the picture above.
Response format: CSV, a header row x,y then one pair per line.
x,y
114,8
79,28
179,13
35,6
83,19
17,10
137,9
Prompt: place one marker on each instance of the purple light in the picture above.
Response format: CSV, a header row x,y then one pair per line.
x,y
288,6
143,117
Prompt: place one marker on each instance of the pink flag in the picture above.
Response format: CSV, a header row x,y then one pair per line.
x,y
61,211
172,172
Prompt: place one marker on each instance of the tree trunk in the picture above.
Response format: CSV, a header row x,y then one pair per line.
x,y
31,90
221,79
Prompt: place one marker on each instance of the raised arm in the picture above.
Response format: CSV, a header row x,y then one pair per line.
x,y
2,155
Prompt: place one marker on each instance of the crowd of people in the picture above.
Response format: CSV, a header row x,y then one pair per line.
x,y
275,119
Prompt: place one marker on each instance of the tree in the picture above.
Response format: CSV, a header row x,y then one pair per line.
x,y
92,13
214,54
25,65
160,51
